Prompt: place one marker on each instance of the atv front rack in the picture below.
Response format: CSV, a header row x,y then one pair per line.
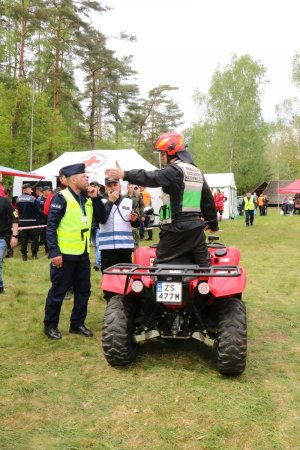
x,y
174,270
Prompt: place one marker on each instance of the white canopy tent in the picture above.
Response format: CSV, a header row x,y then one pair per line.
x,y
226,183
96,162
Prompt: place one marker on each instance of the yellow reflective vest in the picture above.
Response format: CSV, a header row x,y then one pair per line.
x,y
249,204
74,230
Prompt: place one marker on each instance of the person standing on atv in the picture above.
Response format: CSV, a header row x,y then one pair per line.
x,y
187,200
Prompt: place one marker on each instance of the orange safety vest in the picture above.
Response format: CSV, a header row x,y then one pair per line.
x,y
146,198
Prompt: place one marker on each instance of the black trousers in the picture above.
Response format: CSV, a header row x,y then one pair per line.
x,y
43,238
72,273
191,242
144,225
31,234
249,216
112,257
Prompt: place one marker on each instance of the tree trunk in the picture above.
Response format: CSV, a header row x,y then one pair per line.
x,y
92,115
56,63
22,45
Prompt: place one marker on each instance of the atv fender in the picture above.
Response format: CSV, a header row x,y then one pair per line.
x,y
223,287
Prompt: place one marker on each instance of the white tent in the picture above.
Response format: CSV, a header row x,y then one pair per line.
x,y
96,162
226,183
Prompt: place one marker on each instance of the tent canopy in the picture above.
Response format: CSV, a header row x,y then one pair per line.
x,y
96,161
19,173
292,188
226,183
220,180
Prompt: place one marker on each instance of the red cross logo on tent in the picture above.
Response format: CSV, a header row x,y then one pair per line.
x,y
91,161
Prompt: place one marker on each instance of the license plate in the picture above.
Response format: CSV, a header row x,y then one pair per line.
x,y
167,292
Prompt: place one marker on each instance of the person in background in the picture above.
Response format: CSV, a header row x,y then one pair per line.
x,y
219,199
61,184
248,207
266,201
95,230
138,206
290,205
261,205
46,191
28,210
284,206
8,230
186,199
68,237
2,188
145,220
116,240
38,191
255,200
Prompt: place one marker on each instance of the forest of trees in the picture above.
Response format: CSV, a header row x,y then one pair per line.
x,y
47,45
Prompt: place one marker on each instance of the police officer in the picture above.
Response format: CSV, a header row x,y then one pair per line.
x,y
68,238
186,196
28,209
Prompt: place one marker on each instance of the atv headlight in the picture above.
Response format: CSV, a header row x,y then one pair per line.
x,y
137,286
203,288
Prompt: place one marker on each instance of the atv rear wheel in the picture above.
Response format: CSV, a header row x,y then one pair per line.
x,y
231,343
117,344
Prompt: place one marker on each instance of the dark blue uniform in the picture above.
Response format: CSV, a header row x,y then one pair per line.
x,y
75,270
28,208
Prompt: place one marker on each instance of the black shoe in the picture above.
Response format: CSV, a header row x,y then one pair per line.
x,y
1,290
34,256
149,239
81,330
24,257
52,333
97,267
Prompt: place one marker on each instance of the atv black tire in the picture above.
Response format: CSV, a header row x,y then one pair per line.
x,y
117,344
231,343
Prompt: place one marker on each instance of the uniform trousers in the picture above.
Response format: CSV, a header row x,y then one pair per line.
x,y
32,234
249,216
172,245
72,272
3,247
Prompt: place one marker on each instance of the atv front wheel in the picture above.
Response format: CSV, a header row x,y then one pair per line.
x,y
117,344
231,343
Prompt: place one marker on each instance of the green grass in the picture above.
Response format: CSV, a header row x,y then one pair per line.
x,y
64,396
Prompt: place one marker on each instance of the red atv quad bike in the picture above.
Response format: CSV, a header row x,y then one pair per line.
x,y
177,301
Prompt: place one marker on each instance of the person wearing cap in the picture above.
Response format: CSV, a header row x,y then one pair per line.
x,y
116,240
186,199
95,231
68,239
29,212
249,207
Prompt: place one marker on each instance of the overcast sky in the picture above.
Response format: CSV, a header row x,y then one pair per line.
x,y
182,42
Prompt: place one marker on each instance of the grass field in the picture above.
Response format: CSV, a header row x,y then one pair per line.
x,y
64,396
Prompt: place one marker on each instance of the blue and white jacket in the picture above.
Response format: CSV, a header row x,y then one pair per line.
x,y
116,232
